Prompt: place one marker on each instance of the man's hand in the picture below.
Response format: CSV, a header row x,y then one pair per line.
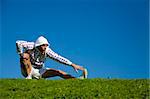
x,y
77,67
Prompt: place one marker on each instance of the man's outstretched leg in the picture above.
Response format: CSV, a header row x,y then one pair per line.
x,y
53,73
25,65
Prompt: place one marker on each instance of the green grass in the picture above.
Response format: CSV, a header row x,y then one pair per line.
x,y
75,89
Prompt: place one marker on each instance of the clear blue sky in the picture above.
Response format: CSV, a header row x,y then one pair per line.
x,y
108,37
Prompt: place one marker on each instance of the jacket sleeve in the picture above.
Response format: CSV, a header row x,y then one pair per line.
x,y
51,54
23,45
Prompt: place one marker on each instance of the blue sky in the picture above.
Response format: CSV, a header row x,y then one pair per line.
x,y
108,37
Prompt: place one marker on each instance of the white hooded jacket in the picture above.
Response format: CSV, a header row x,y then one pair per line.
x,y
38,59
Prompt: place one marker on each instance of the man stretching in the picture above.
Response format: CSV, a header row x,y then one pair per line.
x,y
32,58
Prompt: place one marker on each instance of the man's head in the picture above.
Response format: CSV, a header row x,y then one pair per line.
x,y
41,43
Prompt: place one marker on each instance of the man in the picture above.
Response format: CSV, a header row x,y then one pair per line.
x,y
33,56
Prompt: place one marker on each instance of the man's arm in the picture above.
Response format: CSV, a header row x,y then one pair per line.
x,y
21,45
51,54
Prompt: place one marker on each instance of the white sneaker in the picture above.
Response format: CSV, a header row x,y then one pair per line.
x,y
85,73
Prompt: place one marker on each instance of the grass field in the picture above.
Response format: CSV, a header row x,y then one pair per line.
x,y
75,89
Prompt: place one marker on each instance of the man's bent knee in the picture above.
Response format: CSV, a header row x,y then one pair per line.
x,y
25,56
